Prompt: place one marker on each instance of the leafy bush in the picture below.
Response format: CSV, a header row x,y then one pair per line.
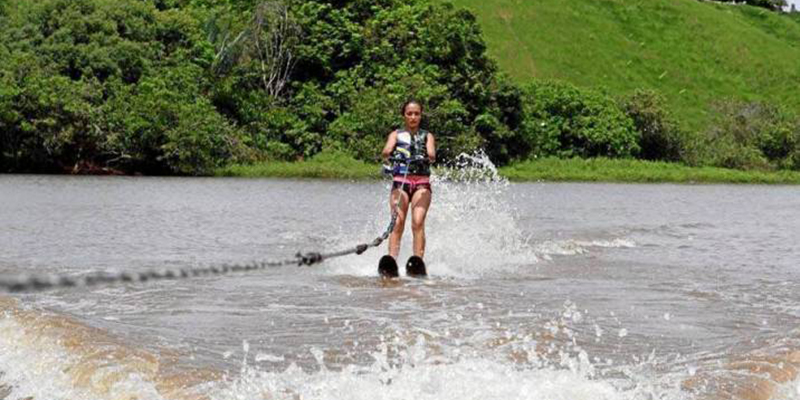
x,y
8,116
752,135
499,125
332,40
351,52
793,161
107,83
660,136
372,112
94,38
284,134
371,115
727,153
46,122
565,121
163,126
433,34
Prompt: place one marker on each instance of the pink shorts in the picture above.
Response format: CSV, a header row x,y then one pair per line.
x,y
410,184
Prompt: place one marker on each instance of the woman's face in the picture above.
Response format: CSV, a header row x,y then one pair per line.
x,y
412,116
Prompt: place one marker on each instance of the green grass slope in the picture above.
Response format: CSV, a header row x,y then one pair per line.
x,y
693,52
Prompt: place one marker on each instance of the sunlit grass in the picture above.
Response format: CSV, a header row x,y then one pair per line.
x,y
342,166
694,53
323,166
613,170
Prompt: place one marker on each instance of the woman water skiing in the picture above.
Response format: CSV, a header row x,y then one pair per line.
x,y
412,150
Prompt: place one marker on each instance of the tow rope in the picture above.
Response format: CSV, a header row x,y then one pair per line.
x,y
39,283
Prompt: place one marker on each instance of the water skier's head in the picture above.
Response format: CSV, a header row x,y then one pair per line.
x,y
412,114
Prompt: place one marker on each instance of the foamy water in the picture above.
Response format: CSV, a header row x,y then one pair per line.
x,y
536,291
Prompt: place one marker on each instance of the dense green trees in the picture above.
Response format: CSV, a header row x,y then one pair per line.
x,y
92,84
185,86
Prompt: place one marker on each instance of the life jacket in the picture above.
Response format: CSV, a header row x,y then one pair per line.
x,y
411,147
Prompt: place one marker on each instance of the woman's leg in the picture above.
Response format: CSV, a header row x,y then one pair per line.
x,y
399,225
419,210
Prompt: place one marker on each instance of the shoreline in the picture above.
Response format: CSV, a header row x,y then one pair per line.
x,y
599,170
541,170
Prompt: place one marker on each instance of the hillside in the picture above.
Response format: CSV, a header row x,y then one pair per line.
x,y
692,52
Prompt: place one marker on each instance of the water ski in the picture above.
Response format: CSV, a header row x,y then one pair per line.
x,y
387,267
415,267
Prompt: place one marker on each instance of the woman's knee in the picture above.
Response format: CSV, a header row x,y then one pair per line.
x,y
418,226
399,223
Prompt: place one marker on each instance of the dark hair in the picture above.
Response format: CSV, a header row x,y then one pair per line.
x,y
411,101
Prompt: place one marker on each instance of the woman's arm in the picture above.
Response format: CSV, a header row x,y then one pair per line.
x,y
391,142
431,147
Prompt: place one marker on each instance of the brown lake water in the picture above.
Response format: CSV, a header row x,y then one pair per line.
x,y
536,291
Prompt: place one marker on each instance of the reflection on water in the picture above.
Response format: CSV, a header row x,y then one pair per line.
x,y
537,291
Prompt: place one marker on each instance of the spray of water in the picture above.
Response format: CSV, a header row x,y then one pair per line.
x,y
470,229
50,357
502,363
473,227
425,365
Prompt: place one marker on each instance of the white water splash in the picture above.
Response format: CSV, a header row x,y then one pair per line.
x,y
471,229
419,363
36,366
467,379
421,370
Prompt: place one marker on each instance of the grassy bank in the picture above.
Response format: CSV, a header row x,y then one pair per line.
x,y
322,166
695,53
338,166
607,170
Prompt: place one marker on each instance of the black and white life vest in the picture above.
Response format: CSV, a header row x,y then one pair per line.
x,y
411,147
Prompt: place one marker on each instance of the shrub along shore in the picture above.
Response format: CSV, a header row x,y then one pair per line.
x,y
339,166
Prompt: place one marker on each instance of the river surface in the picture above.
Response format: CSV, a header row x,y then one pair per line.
x,y
536,291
